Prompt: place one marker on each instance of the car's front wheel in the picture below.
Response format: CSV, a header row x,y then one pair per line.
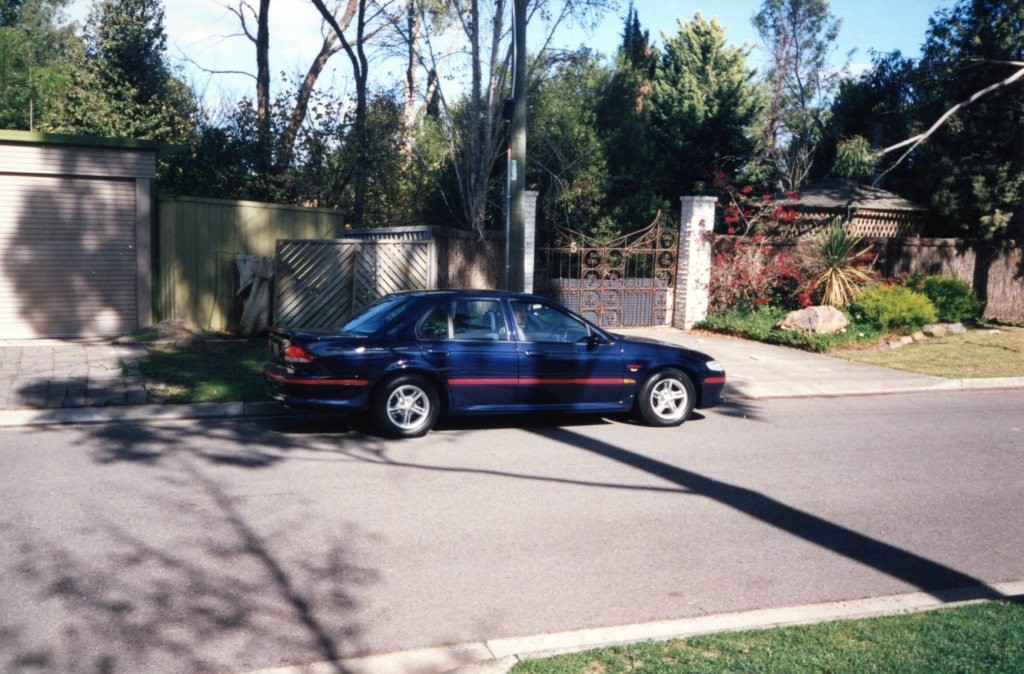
x,y
666,398
406,406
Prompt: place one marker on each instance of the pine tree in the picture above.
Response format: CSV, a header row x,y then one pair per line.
x,y
624,124
704,103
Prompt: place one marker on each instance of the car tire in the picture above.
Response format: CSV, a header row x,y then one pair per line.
x,y
406,406
666,398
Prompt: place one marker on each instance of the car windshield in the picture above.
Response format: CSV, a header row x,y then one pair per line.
x,y
375,317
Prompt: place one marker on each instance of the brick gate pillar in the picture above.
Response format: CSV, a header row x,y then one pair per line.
x,y
693,262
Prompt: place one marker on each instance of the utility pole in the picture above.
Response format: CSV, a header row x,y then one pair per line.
x,y
517,150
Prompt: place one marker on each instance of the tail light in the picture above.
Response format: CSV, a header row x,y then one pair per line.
x,y
296,354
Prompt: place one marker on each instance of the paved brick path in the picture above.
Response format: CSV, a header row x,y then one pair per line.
x,y
51,375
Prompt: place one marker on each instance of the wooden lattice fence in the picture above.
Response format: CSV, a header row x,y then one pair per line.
x,y
320,282
859,222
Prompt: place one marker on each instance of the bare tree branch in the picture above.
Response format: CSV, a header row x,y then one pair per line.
x,y
184,57
239,11
922,137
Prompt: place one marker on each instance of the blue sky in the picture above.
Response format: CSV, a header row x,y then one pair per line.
x,y
882,25
202,29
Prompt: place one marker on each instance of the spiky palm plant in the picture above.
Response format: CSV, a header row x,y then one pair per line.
x,y
841,265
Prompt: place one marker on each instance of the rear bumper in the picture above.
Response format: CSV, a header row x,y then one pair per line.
x,y
315,392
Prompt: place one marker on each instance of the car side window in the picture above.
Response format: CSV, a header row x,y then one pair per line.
x,y
538,322
478,319
434,325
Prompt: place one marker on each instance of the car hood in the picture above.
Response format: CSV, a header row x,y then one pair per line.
x,y
657,344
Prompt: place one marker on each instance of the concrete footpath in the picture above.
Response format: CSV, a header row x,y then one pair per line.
x,y
60,382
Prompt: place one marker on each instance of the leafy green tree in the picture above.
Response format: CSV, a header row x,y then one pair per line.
x,y
567,161
800,35
34,40
967,151
704,101
400,179
228,160
972,168
120,84
875,110
9,11
480,65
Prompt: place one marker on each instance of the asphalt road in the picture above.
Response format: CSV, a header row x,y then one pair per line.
x,y
213,546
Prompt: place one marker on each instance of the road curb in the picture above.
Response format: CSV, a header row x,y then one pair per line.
x,y
498,656
753,391
93,415
567,642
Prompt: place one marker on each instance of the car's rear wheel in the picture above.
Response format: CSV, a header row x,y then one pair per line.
x,y
666,398
406,406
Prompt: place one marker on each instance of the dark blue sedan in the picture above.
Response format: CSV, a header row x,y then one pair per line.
x,y
414,356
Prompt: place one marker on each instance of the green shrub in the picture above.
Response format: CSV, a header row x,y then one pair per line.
x,y
761,325
953,299
893,308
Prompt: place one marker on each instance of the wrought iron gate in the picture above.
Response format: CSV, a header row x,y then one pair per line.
x,y
626,282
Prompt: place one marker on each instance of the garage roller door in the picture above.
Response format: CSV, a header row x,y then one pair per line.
x,y
67,257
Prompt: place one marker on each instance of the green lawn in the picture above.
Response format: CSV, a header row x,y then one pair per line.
x,y
991,352
985,637
206,371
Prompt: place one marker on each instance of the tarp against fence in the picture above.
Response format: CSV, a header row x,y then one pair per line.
x,y
255,274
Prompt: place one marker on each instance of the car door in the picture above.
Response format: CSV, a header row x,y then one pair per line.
x,y
563,363
467,341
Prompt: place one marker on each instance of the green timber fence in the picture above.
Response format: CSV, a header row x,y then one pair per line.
x,y
196,239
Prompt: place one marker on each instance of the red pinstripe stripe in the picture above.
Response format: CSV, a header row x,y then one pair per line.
x,y
315,382
533,381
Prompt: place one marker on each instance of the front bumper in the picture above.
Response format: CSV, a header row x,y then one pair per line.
x,y
711,389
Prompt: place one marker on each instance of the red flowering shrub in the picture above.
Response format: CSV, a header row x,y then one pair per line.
x,y
746,213
747,272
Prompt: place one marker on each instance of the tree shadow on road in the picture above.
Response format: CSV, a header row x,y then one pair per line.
x,y
930,576
219,589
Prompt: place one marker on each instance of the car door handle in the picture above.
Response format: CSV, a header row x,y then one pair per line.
x,y
438,352
535,354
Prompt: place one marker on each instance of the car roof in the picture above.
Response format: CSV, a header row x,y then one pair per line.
x,y
456,292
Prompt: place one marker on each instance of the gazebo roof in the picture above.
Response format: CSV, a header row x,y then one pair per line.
x,y
838,193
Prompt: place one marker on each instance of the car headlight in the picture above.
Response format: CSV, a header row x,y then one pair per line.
x,y
714,366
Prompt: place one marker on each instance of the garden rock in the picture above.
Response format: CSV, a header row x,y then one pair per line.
x,y
822,320
943,329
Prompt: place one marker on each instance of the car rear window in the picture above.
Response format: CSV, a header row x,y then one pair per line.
x,y
376,317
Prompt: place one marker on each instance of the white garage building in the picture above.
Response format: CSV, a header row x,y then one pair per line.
x,y
75,231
